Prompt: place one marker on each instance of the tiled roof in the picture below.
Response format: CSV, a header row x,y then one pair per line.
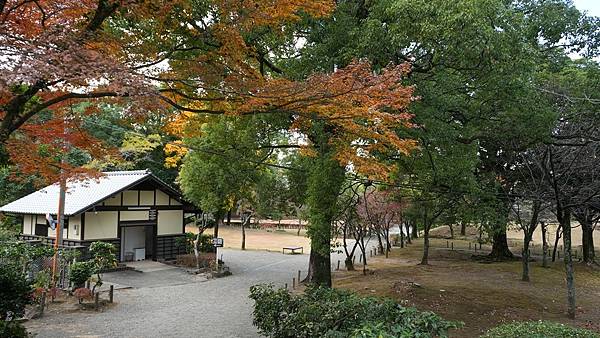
x,y
80,195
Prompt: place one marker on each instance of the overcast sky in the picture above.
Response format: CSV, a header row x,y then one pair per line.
x,y
591,6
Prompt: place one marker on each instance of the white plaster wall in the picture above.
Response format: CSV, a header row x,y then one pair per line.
x,y
130,197
137,215
146,197
170,222
101,225
27,228
74,227
161,198
175,202
114,200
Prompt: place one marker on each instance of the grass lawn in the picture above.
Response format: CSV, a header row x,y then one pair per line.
x,y
482,295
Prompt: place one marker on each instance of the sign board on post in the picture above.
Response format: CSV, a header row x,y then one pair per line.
x,y
217,242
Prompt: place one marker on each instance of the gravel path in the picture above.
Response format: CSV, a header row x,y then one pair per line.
x,y
172,303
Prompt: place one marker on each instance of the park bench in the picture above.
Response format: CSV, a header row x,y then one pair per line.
x,y
293,249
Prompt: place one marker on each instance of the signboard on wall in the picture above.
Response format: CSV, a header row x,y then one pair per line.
x,y
152,214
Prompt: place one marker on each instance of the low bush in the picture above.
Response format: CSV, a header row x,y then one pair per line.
x,y
12,329
15,292
322,312
540,329
80,272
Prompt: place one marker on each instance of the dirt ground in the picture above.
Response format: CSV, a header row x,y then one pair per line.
x,y
515,236
260,239
482,295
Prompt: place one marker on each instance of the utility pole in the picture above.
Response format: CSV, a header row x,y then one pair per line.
x,y
58,241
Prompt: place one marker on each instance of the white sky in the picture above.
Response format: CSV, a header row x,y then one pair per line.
x,y
591,6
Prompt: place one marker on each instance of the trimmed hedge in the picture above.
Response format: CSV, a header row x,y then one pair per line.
x,y
540,329
323,312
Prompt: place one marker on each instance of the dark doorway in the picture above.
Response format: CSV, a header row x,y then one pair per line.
x,y
137,241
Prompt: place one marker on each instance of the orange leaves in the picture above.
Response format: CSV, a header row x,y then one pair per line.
x,y
175,152
250,14
366,109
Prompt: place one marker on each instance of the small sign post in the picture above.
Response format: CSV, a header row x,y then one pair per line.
x,y
217,243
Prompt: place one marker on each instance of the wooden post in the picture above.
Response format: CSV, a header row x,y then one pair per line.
x,y
293,282
298,277
338,267
110,293
43,302
97,301
469,245
286,287
452,245
447,244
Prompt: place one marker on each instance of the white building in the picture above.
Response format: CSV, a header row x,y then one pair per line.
x,y
134,210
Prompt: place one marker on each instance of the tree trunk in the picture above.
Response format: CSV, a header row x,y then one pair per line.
x,y
500,250
244,235
349,264
229,217
525,257
463,228
323,187
379,242
319,269
565,221
556,238
587,240
415,229
425,258
402,236
544,244
408,234
387,243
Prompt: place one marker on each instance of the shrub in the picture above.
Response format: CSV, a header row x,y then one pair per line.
x,y
103,255
186,242
80,272
205,244
103,258
12,329
323,312
15,293
540,329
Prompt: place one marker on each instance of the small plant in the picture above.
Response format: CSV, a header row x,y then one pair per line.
x,y
82,293
539,329
42,279
80,272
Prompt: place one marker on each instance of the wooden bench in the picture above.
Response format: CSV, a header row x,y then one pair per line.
x,y
293,249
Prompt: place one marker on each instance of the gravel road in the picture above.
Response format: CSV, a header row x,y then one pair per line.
x,y
172,303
